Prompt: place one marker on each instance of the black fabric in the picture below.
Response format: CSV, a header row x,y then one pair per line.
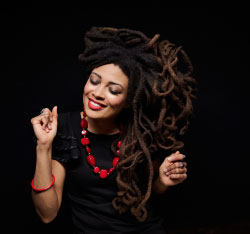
x,y
90,196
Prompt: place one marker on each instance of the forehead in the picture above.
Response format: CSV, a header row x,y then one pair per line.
x,y
111,72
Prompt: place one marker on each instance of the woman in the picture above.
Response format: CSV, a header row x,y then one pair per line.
x,y
121,150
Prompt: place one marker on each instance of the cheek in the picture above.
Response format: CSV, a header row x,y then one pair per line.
x,y
117,101
86,88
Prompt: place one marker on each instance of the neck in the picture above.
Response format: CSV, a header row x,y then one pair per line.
x,y
102,126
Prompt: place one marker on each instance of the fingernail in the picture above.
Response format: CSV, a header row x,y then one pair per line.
x,y
165,169
50,119
167,174
169,159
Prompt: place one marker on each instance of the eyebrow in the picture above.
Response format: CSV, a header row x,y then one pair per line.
x,y
110,82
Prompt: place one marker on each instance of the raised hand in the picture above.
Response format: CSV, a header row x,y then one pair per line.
x,y
45,126
173,170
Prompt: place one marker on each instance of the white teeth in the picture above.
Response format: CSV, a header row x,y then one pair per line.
x,y
94,104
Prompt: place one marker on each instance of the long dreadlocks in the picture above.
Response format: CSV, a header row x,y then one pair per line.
x,y
160,104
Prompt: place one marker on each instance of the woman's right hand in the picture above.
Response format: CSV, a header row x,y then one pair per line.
x,y
45,126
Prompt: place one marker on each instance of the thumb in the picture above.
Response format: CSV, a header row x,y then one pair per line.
x,y
54,113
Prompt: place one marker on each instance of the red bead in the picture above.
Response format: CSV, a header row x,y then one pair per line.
x,y
87,149
96,169
119,144
91,160
115,161
84,123
84,113
111,170
84,132
103,173
85,141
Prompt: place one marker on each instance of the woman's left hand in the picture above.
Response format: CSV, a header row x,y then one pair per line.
x,y
173,170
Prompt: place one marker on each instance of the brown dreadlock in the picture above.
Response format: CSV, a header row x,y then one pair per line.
x,y
159,100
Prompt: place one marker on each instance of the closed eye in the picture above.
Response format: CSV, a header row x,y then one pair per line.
x,y
115,92
94,81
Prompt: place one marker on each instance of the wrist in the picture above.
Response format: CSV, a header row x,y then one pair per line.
x,y
43,147
160,182
43,151
158,186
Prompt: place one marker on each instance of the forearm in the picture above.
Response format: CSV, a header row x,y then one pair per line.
x,y
46,202
158,187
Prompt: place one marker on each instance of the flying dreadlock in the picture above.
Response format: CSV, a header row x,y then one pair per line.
x,y
159,104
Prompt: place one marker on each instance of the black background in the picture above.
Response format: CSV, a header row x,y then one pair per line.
x,y
42,49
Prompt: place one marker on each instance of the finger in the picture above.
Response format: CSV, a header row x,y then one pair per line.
x,y
176,157
168,159
45,122
175,165
45,111
50,117
49,126
177,171
54,113
178,176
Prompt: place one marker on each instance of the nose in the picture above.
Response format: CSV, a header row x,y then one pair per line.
x,y
98,93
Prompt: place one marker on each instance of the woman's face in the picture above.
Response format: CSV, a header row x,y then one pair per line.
x,y
105,92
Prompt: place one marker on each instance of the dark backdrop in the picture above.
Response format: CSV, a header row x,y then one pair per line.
x,y
44,45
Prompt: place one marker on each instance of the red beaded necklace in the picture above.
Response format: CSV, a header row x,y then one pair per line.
x,y
103,173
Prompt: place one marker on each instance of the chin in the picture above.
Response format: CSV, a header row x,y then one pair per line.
x,y
98,115
93,114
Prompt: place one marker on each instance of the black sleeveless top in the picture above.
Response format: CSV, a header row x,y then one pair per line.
x,y
90,196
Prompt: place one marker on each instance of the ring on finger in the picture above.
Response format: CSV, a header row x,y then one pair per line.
x,y
42,111
181,164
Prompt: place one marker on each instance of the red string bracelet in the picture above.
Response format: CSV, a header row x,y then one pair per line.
x,y
43,189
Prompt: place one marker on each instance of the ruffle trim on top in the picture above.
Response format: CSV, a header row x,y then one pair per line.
x,y
65,146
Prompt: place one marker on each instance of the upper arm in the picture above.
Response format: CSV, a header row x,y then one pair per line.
x,y
59,172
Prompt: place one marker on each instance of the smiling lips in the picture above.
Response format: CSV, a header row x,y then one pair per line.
x,y
93,105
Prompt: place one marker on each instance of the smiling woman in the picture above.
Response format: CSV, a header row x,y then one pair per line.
x,y
122,148
104,97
